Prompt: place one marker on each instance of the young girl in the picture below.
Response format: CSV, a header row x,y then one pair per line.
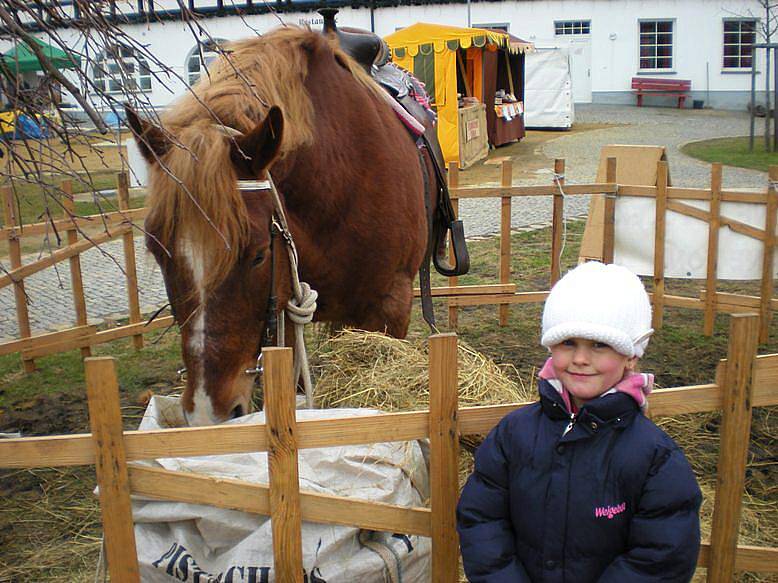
x,y
581,487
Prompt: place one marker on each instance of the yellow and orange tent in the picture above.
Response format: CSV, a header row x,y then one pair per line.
x,y
429,51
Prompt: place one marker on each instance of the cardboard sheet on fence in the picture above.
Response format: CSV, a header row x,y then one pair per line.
x,y
223,545
686,240
634,165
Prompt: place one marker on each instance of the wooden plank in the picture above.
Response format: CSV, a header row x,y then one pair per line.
x,y
130,271
444,454
745,303
453,183
747,558
87,222
735,430
469,290
76,280
105,419
609,219
505,237
557,222
60,255
133,329
516,191
659,244
713,249
234,494
15,256
768,256
491,299
678,193
285,514
43,339
703,215
81,341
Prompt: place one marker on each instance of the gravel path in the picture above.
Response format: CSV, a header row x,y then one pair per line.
x,y
105,287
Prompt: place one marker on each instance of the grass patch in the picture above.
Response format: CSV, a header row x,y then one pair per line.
x,y
733,152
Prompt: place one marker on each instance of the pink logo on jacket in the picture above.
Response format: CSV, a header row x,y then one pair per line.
x,y
609,511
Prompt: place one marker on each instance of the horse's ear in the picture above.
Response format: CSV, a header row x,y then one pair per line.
x,y
151,140
258,149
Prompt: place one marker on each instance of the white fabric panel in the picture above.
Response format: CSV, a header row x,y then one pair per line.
x,y
548,90
686,240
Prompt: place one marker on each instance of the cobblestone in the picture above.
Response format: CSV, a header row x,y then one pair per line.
x,y
51,304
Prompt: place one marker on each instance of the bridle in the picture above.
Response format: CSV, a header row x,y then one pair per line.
x,y
300,307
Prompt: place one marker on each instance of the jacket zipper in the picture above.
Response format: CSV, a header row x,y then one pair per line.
x,y
569,427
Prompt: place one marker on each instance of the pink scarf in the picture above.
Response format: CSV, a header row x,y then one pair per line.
x,y
636,385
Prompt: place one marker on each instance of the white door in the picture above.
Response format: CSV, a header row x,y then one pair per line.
x,y
581,68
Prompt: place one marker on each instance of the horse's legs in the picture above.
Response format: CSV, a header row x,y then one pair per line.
x,y
393,314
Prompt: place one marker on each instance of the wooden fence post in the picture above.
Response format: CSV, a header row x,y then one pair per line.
x,y
105,419
737,392
713,249
505,236
76,279
765,311
557,222
453,182
123,196
609,220
280,417
659,244
444,449
10,220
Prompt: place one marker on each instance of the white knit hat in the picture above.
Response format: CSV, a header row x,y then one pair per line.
x,y
606,303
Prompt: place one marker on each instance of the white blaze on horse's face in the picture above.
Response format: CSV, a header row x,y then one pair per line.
x,y
203,413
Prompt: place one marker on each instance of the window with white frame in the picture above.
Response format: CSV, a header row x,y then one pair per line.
x,y
656,44
200,57
566,27
121,70
739,36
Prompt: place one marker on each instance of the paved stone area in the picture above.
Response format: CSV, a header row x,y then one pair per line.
x,y
105,285
646,125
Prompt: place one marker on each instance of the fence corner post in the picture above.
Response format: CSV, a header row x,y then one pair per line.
x,y
285,512
444,450
737,393
105,419
765,310
506,181
609,218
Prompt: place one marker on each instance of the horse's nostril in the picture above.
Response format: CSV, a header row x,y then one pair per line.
x,y
237,412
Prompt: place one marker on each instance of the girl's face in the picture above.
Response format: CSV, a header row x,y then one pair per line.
x,y
588,368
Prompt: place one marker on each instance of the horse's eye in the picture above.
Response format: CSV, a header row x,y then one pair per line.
x,y
258,258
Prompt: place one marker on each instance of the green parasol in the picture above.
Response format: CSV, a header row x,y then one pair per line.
x,y
21,58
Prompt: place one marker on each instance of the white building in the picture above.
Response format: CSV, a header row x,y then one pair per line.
x,y
611,41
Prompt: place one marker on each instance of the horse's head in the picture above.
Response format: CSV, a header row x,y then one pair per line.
x,y
213,245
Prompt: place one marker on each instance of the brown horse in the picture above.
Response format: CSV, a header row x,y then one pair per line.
x,y
350,180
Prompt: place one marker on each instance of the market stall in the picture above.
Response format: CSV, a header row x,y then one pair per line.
x,y
476,80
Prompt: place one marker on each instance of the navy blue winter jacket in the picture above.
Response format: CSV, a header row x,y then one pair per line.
x,y
612,501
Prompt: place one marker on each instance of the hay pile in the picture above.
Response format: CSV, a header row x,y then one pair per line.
x,y
368,369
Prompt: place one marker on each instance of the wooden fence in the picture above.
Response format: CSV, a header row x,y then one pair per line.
x,y
112,225
502,293
668,199
743,381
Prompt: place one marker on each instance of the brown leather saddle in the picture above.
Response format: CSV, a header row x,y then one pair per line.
x,y
370,51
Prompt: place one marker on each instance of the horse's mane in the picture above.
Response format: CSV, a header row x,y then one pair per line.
x,y
196,178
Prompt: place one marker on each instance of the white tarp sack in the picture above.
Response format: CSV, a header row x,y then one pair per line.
x,y
548,88
202,544
686,240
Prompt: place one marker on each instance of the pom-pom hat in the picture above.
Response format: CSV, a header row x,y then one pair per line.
x,y
604,303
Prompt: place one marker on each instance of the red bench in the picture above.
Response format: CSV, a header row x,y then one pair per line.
x,y
647,85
